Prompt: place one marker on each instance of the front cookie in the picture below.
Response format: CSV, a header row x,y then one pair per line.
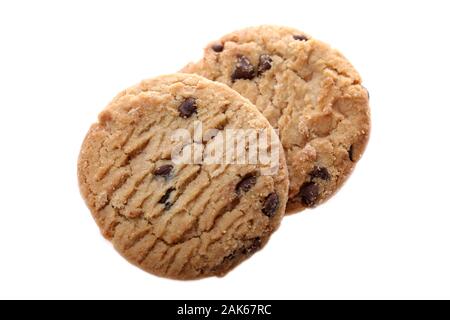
x,y
308,91
178,217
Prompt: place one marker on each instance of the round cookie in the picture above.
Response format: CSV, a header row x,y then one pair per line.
x,y
308,91
177,219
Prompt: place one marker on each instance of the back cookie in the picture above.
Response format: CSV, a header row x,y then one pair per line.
x,y
308,91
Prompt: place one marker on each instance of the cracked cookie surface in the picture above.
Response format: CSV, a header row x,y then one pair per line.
x,y
308,91
181,221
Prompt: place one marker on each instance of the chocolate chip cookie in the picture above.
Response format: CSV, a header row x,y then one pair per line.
x,y
308,91
177,219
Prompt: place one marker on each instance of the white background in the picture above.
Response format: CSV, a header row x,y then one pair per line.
x,y
385,235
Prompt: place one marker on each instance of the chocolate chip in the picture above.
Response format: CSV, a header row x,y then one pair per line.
x,y
166,196
217,47
320,173
243,70
167,206
163,171
254,246
300,37
309,193
188,108
246,184
231,256
265,63
350,153
271,204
